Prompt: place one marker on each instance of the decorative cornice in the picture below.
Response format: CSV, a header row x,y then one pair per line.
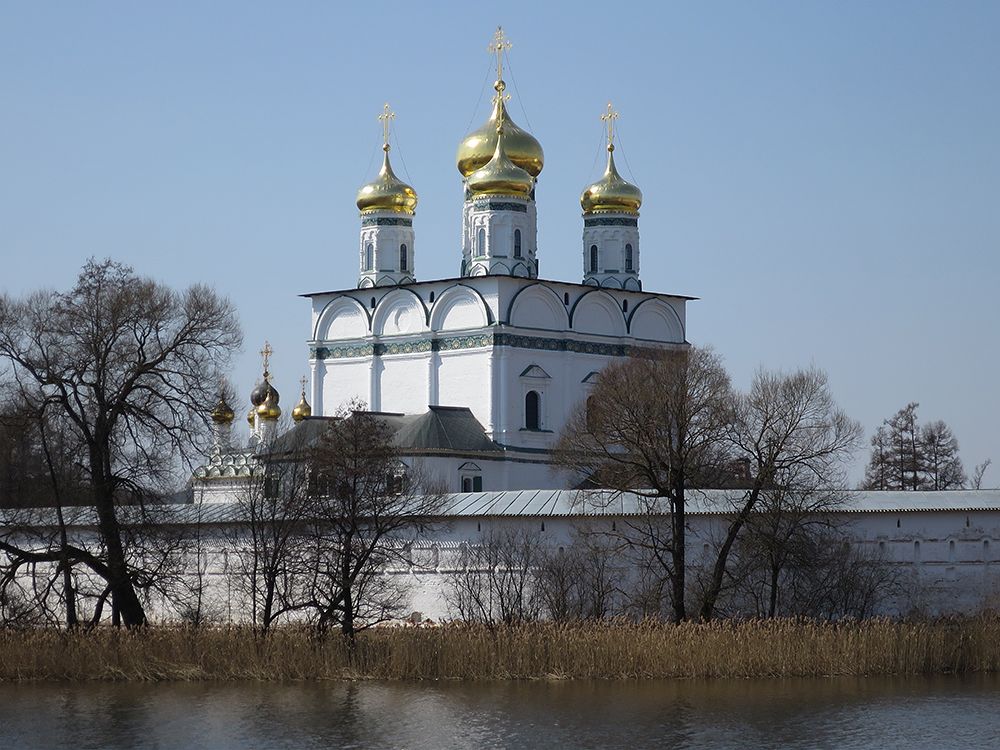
x,y
490,205
610,221
473,341
385,221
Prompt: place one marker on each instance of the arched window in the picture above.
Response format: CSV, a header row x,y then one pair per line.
x,y
628,258
369,256
593,258
402,258
517,243
481,242
532,410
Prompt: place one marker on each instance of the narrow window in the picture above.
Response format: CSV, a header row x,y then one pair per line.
x,y
432,297
369,256
951,551
565,298
373,303
481,242
593,258
532,402
591,412
466,484
624,305
628,258
517,243
402,258
916,551
477,484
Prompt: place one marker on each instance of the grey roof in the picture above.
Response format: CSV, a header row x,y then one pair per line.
x,y
444,428
532,503
440,428
699,502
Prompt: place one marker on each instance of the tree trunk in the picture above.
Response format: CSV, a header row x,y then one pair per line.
x,y
772,608
719,572
125,602
678,549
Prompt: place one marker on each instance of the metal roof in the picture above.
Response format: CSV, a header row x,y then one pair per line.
x,y
531,503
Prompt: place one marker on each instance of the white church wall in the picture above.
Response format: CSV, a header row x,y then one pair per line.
x,y
463,380
402,383
345,380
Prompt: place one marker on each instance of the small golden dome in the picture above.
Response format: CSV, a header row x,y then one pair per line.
x,y
387,192
223,412
269,409
251,414
501,176
302,409
477,148
611,193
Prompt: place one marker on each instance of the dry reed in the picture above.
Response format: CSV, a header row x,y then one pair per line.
x,y
605,650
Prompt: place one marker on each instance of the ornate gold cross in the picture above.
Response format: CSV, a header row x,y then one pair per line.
x,y
609,118
386,118
266,353
303,381
499,45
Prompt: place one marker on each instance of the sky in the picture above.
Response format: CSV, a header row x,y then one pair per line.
x,y
823,176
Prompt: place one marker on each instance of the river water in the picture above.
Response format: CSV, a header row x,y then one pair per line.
x,y
939,713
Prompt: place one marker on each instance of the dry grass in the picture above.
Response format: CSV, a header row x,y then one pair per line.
x,y
780,648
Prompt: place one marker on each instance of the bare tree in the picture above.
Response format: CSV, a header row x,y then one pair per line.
x,y
583,579
794,435
977,475
909,456
654,425
365,507
498,582
941,467
127,364
269,542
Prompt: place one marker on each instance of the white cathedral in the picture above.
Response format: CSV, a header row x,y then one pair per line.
x,y
479,372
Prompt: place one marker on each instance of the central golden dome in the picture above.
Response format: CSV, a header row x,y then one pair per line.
x,y
500,175
611,193
387,192
476,149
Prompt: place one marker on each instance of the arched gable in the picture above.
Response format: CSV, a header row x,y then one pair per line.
x,y
537,306
342,318
459,307
655,320
598,312
400,311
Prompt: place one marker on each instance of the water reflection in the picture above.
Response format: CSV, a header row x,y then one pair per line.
x,y
835,713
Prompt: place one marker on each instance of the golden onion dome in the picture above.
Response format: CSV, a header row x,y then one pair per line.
x,y
387,192
269,409
259,393
477,148
611,193
302,409
222,413
500,175
251,414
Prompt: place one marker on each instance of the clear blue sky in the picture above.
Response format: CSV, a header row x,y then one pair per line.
x,y
824,176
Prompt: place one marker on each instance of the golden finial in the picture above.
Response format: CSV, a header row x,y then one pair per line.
x,y
499,45
609,118
265,354
302,382
386,118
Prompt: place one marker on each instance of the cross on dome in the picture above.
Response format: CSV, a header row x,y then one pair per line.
x,y
386,119
609,118
498,46
265,354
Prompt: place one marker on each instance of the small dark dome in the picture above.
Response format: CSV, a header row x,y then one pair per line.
x,y
259,393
